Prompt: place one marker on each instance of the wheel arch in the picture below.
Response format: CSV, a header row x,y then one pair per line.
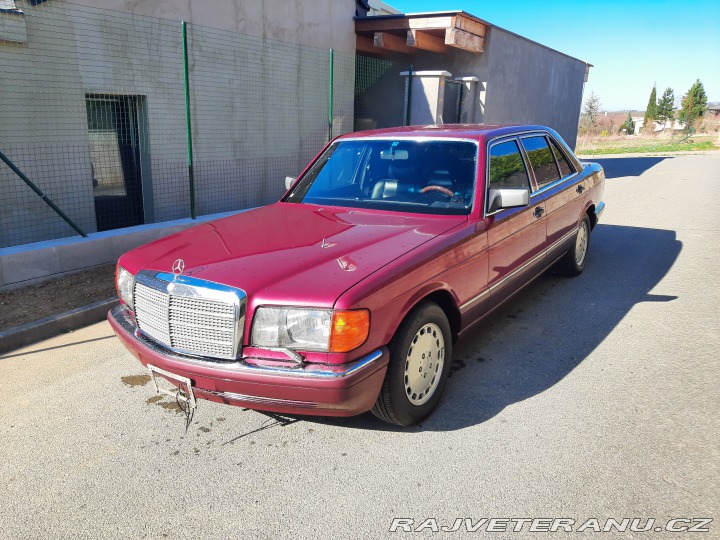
x,y
590,211
444,299
447,303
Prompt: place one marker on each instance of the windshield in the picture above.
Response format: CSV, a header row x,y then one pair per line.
x,y
421,176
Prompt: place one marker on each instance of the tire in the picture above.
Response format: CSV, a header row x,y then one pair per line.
x,y
420,357
573,263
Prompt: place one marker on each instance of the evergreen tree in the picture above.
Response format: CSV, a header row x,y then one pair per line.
x,y
651,113
693,104
665,106
628,125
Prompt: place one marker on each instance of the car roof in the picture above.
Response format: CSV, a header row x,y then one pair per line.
x,y
466,131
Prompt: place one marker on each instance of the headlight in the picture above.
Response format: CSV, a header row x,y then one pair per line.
x,y
125,282
310,329
291,328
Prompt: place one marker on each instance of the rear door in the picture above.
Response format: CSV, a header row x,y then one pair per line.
x,y
557,187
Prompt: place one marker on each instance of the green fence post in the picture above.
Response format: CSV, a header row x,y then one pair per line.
x,y
409,96
330,94
42,195
188,125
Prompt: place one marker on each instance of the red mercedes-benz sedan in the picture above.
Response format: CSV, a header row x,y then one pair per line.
x,y
348,294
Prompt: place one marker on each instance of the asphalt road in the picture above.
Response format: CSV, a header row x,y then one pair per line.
x,y
593,397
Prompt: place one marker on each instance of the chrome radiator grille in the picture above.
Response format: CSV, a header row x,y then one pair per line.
x,y
189,315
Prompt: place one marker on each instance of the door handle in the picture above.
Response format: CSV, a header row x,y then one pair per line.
x,y
539,211
580,188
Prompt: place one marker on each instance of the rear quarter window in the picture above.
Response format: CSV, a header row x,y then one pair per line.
x,y
566,168
542,160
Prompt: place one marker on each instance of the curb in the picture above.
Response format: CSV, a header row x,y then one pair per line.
x,y
27,334
679,153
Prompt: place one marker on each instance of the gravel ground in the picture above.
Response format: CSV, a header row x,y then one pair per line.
x,y
32,303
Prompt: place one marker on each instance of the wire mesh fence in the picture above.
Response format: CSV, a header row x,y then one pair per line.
x,y
275,103
380,93
93,115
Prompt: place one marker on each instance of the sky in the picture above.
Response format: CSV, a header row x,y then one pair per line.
x,y
631,44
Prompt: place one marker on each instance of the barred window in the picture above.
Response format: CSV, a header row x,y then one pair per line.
x,y
8,5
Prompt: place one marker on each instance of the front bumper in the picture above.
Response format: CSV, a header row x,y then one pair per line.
x,y
599,210
255,383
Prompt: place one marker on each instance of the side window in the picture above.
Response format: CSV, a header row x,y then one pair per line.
x,y
541,160
507,169
566,168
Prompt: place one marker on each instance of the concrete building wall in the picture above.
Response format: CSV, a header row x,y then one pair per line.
x,y
259,101
530,83
41,100
519,81
312,23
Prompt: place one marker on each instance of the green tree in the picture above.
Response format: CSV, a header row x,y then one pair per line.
x,y
693,105
651,113
665,106
628,125
590,112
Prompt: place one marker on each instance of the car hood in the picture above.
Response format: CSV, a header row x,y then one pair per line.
x,y
291,253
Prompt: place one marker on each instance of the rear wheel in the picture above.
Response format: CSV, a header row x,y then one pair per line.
x,y
573,263
420,356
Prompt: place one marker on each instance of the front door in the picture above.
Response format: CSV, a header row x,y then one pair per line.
x,y
516,236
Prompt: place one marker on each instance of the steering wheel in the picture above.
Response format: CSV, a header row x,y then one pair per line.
x,y
439,189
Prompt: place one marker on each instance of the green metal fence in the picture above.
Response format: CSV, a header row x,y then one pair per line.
x,y
110,120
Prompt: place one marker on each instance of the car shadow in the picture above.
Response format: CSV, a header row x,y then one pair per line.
x,y
627,166
547,330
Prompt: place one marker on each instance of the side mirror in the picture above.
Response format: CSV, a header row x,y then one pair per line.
x,y
289,181
507,198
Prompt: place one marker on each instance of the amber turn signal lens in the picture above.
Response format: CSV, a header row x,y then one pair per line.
x,y
349,329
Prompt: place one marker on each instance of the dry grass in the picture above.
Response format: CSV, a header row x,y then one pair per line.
x,y
657,143
707,137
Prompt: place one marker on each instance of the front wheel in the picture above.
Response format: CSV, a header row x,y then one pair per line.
x,y
573,263
420,356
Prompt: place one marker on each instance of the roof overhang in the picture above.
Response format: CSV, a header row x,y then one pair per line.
x,y
436,32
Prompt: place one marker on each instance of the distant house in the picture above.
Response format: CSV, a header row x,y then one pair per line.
x,y
376,7
674,125
713,109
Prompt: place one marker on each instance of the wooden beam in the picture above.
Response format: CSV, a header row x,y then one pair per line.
x,y
469,25
365,45
390,42
464,40
425,41
369,24
459,21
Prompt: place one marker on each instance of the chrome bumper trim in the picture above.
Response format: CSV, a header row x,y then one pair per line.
x,y
263,400
119,314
